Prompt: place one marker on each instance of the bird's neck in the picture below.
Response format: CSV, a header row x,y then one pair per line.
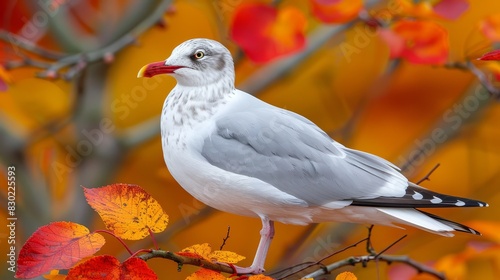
x,y
186,106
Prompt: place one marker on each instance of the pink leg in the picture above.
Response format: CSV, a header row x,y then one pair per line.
x,y
266,235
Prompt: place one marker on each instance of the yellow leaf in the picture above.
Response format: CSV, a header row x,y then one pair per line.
x,y
127,210
346,275
205,251
206,274
261,277
202,250
225,256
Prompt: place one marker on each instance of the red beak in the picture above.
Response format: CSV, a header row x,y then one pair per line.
x,y
156,68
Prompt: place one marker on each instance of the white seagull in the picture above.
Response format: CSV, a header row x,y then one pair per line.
x,y
241,155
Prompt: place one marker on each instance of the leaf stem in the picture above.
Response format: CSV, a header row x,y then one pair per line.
x,y
155,244
117,238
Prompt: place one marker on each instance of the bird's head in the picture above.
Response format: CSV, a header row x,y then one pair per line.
x,y
196,62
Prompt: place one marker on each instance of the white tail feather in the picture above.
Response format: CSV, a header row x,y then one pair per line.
x,y
417,219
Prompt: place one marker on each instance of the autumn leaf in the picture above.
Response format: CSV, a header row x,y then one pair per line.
x,y
490,27
262,277
493,55
346,275
54,275
109,268
420,42
58,245
451,9
206,274
445,9
336,11
205,251
4,79
127,210
266,33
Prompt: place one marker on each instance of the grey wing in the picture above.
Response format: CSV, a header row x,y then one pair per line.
x,y
289,152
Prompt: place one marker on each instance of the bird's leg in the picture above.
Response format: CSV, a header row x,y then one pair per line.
x,y
266,235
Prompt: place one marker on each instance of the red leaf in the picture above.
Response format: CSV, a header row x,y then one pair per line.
x,y
265,33
493,55
451,9
109,268
59,245
336,11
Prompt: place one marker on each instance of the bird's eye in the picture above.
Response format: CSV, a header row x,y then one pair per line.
x,y
199,54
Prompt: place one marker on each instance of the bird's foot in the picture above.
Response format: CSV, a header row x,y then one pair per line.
x,y
238,270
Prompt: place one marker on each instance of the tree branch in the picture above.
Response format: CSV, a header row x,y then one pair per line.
x,y
26,45
483,79
182,260
79,61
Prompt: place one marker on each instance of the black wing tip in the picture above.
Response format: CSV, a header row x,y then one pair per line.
x,y
456,226
435,199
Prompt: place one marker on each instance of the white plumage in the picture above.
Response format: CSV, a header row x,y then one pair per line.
x,y
241,155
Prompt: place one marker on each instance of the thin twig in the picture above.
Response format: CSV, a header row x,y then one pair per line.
x,y
427,177
369,247
225,238
421,268
316,263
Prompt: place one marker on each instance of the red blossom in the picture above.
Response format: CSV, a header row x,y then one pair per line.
x,y
266,33
421,42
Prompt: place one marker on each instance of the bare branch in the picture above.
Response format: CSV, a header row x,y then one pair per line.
x,y
26,45
182,260
77,62
483,79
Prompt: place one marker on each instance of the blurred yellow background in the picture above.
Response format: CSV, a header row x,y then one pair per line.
x,y
102,127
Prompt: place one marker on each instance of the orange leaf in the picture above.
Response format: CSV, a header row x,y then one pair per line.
x,y
54,275
346,275
109,268
206,274
205,251
58,245
454,266
490,27
4,79
421,42
127,210
265,33
447,9
336,11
